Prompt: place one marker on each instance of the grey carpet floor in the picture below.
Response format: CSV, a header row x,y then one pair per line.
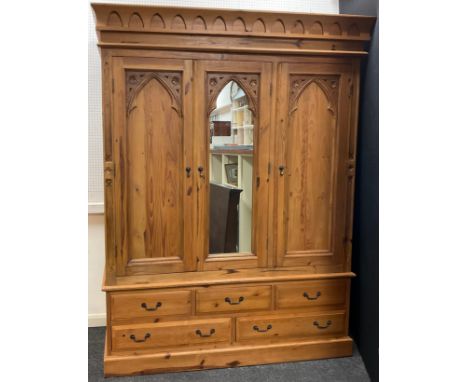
x,y
350,369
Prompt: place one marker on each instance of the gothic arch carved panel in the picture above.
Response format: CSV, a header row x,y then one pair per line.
x,y
329,85
154,189
249,82
310,164
136,80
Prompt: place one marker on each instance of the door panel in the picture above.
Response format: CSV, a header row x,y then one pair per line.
x,y
155,159
232,140
313,109
153,134
310,140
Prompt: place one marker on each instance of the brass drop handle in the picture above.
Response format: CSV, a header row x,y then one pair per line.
x,y
256,328
187,170
147,335
228,300
199,333
281,169
200,171
317,324
317,295
144,306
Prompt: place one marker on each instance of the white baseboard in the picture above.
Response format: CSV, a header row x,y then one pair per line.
x,y
97,319
95,208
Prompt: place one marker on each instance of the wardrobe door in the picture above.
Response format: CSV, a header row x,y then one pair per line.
x,y
232,111
152,150
312,164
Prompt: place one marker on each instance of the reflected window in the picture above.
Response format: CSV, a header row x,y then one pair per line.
x,y
231,128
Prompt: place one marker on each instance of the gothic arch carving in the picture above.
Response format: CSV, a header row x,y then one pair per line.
x,y
249,82
219,24
278,27
335,29
178,22
298,27
157,21
317,28
137,80
259,26
199,24
114,19
353,30
239,25
135,21
328,84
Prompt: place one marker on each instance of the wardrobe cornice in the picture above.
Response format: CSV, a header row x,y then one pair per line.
x,y
200,29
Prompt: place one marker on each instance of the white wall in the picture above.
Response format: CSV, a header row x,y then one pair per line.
x,y
96,298
96,259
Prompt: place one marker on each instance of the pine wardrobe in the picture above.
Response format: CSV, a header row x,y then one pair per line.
x,y
229,165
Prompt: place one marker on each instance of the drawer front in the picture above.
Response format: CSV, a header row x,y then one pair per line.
x,y
310,294
174,333
233,299
150,304
290,326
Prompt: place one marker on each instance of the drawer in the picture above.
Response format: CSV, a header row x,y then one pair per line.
x,y
173,333
150,304
310,294
290,326
233,299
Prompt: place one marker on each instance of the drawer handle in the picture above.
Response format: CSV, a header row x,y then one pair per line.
x,y
317,324
317,295
228,300
256,328
158,304
147,335
199,333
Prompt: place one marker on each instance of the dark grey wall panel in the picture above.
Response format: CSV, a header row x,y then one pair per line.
x,y
364,320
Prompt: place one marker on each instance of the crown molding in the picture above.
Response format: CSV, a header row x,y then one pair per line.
x,y
154,27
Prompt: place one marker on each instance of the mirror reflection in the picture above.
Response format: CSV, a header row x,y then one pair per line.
x,y
231,127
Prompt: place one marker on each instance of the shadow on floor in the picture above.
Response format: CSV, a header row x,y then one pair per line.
x,y
347,369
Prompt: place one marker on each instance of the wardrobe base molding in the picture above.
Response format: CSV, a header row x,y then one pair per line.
x,y
234,356
220,277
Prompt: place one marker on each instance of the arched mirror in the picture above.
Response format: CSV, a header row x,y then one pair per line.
x,y
231,132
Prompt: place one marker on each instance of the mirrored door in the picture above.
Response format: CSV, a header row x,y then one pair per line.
x,y
231,128
233,165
